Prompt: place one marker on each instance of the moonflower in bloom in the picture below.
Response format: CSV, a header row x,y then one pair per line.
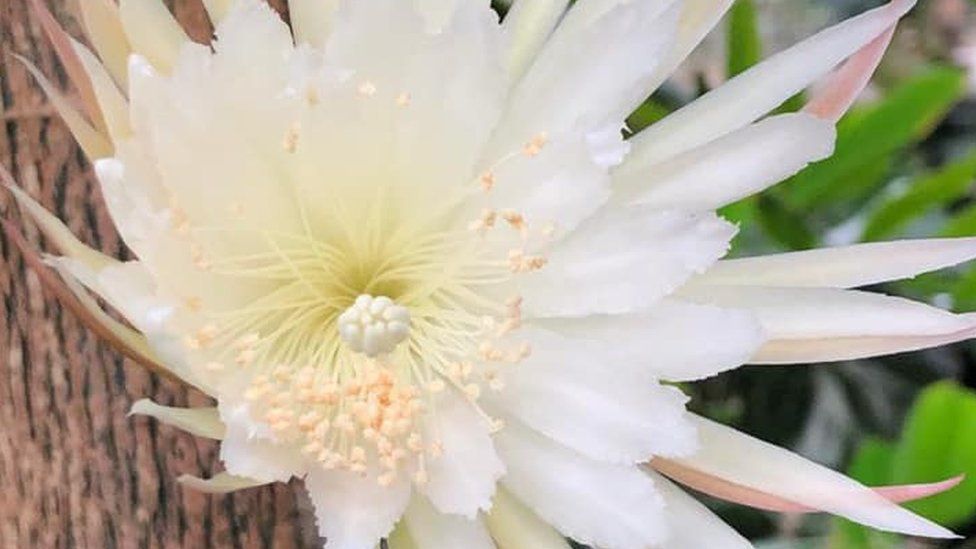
x,y
409,253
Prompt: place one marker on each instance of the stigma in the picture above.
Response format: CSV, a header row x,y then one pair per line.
x,y
374,326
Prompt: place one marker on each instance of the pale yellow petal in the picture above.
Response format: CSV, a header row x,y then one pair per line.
x,y
221,483
92,142
202,422
514,526
111,101
153,32
107,36
311,20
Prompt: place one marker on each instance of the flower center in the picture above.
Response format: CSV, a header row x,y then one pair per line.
x,y
374,326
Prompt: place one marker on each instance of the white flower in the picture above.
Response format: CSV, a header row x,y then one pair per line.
x,y
414,261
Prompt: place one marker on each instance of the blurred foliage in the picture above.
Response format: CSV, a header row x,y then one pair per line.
x,y
938,442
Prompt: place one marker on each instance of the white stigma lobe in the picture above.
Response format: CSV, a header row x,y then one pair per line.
x,y
374,326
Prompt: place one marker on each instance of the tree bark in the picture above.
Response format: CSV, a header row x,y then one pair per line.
x,y
75,471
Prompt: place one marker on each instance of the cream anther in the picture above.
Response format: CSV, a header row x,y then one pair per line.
x,y
374,325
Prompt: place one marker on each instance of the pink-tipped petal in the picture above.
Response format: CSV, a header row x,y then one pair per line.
x,y
72,64
735,466
847,83
735,493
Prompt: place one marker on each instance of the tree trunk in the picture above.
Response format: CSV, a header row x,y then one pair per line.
x,y
74,470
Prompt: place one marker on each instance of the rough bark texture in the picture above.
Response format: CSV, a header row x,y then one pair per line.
x,y
74,470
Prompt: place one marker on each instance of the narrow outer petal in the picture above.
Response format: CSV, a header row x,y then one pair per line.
x,y
692,524
221,483
843,267
202,422
752,463
432,529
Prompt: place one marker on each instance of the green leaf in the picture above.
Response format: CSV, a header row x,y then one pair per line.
x,y
867,138
939,442
962,223
648,113
744,41
784,225
932,191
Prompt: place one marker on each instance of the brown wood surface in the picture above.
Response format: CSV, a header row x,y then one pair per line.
x,y
74,470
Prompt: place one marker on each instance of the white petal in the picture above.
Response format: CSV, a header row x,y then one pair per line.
x,y
248,452
738,165
563,185
814,313
354,512
432,529
679,341
759,90
598,69
698,18
312,20
513,526
692,524
605,406
527,26
152,31
843,267
601,504
803,351
221,483
202,422
624,260
462,480
749,462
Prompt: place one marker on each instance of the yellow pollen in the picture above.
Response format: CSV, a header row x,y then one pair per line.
x,y
403,99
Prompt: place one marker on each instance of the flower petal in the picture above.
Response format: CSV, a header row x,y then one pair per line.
x,y
221,483
624,260
749,462
202,422
607,407
806,351
247,452
762,88
312,20
692,524
528,24
687,341
112,104
218,9
816,313
354,512
837,96
462,480
743,163
843,267
94,143
153,32
698,18
432,529
513,525
598,65
730,491
596,503
73,66
107,36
